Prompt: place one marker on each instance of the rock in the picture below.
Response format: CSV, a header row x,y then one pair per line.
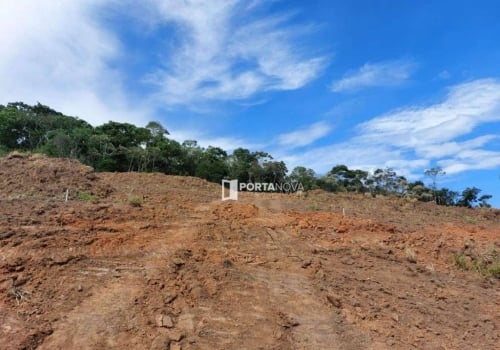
x,y
160,343
334,300
164,321
287,321
186,322
20,280
175,346
169,298
306,263
176,336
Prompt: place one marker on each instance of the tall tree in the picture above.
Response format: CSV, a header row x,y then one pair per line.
x,y
387,181
304,176
212,166
433,174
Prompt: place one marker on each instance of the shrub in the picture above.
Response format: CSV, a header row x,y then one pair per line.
x,y
135,201
460,261
410,255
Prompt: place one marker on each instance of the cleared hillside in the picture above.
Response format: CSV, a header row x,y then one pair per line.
x,y
148,261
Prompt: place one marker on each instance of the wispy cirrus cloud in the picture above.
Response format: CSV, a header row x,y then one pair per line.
x,y
70,54
56,52
410,138
380,74
466,106
305,136
227,53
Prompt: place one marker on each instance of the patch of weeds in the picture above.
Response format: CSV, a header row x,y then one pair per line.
x,y
493,270
487,264
410,255
135,201
460,261
313,207
470,220
85,196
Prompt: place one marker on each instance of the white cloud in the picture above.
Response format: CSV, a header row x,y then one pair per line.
x,y
204,139
55,52
223,55
409,139
355,155
387,73
63,54
446,149
305,136
465,107
471,159
431,132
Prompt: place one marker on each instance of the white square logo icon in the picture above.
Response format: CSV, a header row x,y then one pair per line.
x,y
233,190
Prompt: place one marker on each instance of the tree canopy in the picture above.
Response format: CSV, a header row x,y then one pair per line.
x,y
115,146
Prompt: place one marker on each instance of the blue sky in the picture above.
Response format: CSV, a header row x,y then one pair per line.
x,y
387,83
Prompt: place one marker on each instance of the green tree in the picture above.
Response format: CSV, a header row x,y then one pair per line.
x,y
305,176
469,198
124,134
156,129
419,191
348,180
212,166
247,166
445,196
273,172
433,174
388,182
191,158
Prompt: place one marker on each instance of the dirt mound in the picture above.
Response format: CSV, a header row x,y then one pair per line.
x,y
37,176
177,268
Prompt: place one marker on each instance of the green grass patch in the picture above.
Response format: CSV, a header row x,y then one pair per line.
x,y
85,196
135,201
487,264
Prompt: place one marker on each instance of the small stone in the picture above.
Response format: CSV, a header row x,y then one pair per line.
x,y
160,343
287,321
80,288
170,297
186,322
334,300
176,336
164,321
306,263
175,346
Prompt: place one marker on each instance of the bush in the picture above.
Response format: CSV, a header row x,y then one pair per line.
x,y
460,261
487,264
410,255
135,201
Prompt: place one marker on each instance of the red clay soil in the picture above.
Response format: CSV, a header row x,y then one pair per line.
x,y
148,261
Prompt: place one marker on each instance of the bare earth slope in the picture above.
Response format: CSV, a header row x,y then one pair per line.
x,y
184,270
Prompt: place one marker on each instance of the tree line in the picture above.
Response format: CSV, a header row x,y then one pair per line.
x,y
124,147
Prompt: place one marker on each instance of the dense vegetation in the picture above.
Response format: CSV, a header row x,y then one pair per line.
x,y
125,147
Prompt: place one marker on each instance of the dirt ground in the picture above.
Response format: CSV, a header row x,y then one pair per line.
x,y
148,261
